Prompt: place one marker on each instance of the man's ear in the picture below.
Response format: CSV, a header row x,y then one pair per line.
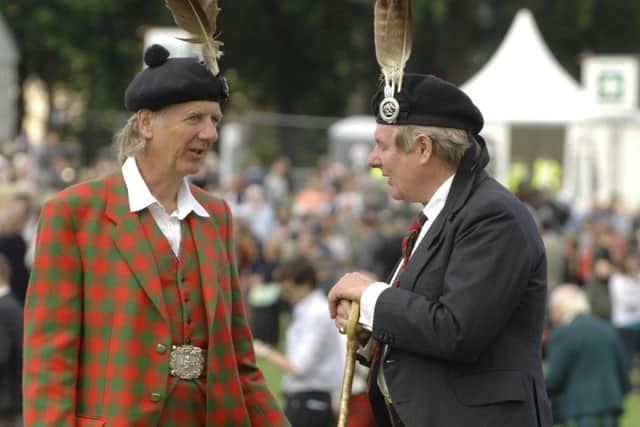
x,y
145,123
424,146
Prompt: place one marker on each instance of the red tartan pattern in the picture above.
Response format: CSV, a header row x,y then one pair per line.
x,y
182,294
95,314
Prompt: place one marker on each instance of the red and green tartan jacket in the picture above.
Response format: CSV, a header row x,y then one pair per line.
x,y
96,328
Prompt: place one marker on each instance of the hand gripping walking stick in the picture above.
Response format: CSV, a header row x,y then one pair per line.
x,y
349,366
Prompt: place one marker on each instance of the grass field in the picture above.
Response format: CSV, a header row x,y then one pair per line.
x,y
632,406
632,411
631,417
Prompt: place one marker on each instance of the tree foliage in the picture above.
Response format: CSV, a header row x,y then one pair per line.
x,y
300,56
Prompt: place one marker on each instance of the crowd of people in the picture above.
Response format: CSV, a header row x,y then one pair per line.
x,y
341,220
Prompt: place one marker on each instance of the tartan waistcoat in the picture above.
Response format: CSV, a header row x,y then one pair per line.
x,y
181,287
182,294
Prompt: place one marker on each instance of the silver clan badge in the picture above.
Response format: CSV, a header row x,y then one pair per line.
x,y
389,107
389,110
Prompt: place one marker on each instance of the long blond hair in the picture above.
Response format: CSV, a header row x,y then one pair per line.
x,y
128,141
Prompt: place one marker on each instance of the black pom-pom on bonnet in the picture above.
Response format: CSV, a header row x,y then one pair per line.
x,y
156,55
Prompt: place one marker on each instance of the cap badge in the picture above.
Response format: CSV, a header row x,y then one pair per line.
x,y
389,107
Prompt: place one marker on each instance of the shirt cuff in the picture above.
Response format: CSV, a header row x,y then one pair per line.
x,y
368,303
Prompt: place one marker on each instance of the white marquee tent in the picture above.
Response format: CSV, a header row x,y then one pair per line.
x,y
523,88
533,107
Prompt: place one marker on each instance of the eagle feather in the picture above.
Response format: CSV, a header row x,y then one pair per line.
x,y
393,38
198,18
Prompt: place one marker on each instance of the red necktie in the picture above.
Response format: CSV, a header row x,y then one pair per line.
x,y
408,242
407,246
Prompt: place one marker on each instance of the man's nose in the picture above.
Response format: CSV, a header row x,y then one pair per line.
x,y
209,132
374,159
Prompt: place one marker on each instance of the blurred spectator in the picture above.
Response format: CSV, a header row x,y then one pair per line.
x,y
48,150
586,379
571,259
10,352
313,359
277,182
336,241
13,246
264,300
257,211
371,238
308,244
625,305
597,286
552,239
314,199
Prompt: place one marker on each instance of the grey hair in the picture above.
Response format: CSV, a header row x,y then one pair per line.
x,y
569,301
450,144
128,141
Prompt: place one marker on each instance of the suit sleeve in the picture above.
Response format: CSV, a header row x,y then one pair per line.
x,y
52,322
486,274
261,405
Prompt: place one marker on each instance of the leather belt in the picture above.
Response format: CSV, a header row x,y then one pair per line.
x,y
186,361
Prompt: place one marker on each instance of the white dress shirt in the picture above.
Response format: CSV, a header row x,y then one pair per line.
x,y
371,294
314,347
140,197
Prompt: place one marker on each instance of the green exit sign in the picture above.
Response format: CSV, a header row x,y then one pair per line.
x,y
611,86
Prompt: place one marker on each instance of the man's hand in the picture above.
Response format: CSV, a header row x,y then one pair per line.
x,y
350,287
342,321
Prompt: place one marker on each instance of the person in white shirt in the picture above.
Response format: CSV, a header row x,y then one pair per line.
x,y
624,291
314,357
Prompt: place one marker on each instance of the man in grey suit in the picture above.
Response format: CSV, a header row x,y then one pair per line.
x,y
455,332
10,351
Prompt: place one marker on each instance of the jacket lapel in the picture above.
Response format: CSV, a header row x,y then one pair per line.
x,y
469,172
205,235
130,240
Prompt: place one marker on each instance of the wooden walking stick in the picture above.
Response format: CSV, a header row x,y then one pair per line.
x,y
350,363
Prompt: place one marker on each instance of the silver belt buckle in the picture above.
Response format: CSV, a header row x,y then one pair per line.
x,y
186,362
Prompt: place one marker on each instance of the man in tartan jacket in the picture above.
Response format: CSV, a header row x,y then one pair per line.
x,y
134,316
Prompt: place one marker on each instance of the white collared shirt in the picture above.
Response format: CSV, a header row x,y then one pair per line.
x,y
140,197
431,211
314,347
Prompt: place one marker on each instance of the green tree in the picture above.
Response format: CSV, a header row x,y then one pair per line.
x,y
300,56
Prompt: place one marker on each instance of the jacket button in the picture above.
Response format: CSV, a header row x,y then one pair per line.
x,y
161,348
155,397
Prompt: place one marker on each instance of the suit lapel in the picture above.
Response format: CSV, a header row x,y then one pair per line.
x,y
461,187
204,235
130,240
424,251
